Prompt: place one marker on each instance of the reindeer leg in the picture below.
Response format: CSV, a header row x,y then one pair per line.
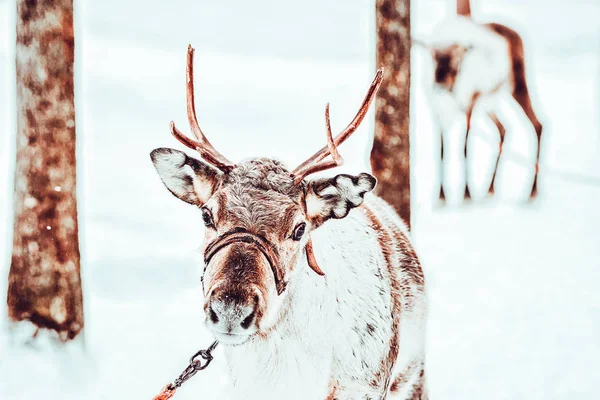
x,y
419,388
411,381
442,195
538,132
534,190
521,95
469,114
502,132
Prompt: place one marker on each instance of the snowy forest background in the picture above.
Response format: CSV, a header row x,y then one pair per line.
x,y
515,305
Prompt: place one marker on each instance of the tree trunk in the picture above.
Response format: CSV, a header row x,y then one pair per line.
x,y
44,280
390,156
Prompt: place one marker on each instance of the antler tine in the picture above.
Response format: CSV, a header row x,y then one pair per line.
x,y
206,155
331,148
190,103
313,164
186,141
202,144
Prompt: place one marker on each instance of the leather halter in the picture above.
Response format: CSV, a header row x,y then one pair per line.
x,y
240,235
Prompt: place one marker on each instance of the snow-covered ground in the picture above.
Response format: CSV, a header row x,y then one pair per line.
x,y
515,305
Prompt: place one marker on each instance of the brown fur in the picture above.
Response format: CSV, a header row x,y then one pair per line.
x,y
520,91
241,275
394,240
419,391
502,132
463,7
386,240
419,388
447,65
333,390
403,378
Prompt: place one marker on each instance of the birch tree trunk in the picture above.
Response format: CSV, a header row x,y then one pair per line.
x,y
390,156
44,279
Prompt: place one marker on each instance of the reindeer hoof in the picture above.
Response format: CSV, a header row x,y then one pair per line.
x,y
442,198
534,192
533,195
467,193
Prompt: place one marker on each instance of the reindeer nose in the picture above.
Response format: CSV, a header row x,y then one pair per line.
x,y
231,312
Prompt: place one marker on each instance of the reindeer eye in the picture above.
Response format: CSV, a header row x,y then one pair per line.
x,y
207,218
299,231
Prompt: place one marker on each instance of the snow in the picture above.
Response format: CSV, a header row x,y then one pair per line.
x,y
515,310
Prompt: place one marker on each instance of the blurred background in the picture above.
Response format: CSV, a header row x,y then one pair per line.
x,y
513,284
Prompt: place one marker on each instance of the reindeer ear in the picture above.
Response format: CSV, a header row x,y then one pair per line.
x,y
187,178
335,197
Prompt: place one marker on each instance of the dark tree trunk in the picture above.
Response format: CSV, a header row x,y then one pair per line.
x,y
44,280
390,157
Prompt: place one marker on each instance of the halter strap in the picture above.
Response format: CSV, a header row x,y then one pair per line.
x,y
240,235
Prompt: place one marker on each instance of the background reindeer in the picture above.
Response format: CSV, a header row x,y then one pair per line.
x,y
291,329
477,64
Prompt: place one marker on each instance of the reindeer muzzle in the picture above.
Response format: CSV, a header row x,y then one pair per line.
x,y
243,236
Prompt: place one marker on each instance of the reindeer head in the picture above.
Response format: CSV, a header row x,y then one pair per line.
x,y
447,61
258,217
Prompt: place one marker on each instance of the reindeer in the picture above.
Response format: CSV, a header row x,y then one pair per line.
x,y
478,63
312,285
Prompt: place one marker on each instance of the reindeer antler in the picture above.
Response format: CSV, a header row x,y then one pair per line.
x,y
315,163
202,145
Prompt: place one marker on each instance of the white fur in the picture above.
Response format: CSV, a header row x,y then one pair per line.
x,y
485,66
202,187
322,332
316,204
175,171
170,168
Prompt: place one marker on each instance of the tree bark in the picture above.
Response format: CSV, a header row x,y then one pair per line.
x,y
44,279
390,156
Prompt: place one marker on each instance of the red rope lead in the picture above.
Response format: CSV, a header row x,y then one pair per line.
x,y
166,393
